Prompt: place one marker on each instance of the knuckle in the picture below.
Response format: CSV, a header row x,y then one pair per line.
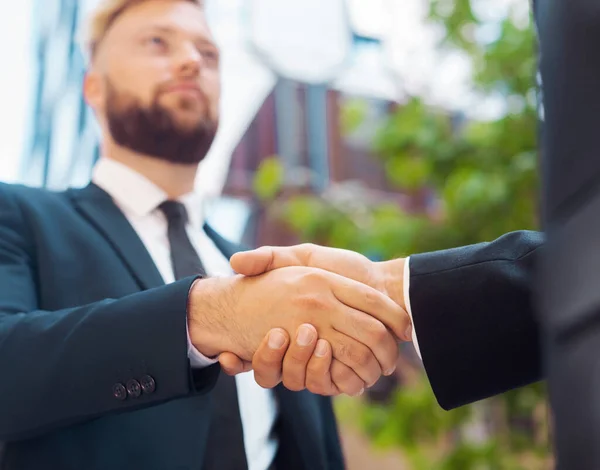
x,y
316,389
293,384
293,374
379,332
258,364
340,373
345,379
263,381
266,368
259,374
361,356
315,371
352,390
342,351
312,277
398,324
272,365
263,360
372,297
308,250
389,356
316,381
306,247
299,358
312,302
315,384
356,354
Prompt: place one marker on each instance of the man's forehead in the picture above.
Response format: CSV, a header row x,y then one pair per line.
x,y
168,16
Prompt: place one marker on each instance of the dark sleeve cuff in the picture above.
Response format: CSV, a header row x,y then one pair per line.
x,y
473,312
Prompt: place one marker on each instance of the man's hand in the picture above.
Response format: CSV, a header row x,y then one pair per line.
x,y
234,314
269,361
387,276
299,366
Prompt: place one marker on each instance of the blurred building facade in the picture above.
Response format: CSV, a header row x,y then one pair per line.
x,y
314,158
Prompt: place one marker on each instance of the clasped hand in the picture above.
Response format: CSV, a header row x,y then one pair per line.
x,y
344,335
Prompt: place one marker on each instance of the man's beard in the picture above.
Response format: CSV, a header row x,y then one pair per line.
x,y
154,131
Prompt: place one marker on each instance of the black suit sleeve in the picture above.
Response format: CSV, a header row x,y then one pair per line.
x,y
59,368
568,287
474,317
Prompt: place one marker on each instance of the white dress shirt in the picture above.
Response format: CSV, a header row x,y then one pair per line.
x,y
406,286
138,198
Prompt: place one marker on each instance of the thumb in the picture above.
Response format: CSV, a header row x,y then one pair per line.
x,y
254,262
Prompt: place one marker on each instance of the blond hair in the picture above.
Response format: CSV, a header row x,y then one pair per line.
x,y
102,18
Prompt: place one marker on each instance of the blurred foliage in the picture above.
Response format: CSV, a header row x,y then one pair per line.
x,y
464,182
352,115
269,179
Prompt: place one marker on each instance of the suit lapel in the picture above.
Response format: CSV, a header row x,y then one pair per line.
x,y
100,210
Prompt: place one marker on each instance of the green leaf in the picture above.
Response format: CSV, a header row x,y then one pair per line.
x,y
470,191
268,179
409,172
352,115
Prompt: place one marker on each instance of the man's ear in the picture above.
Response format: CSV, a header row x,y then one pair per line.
x,y
94,90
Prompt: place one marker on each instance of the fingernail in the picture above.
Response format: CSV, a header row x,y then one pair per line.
x,y
321,349
360,393
389,372
408,334
305,336
276,339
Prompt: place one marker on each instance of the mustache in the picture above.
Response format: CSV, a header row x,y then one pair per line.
x,y
186,84
171,85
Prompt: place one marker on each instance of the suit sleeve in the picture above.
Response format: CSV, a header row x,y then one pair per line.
x,y
474,316
59,368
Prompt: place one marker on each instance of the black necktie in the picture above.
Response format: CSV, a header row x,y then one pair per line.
x,y
225,446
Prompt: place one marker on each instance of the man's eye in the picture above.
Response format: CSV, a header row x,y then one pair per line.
x,y
210,55
157,41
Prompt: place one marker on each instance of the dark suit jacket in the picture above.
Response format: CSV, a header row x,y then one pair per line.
x,y
568,290
83,308
474,317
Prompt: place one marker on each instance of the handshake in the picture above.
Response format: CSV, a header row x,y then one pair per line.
x,y
316,318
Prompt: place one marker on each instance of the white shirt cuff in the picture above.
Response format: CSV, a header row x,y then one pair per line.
x,y
407,305
197,359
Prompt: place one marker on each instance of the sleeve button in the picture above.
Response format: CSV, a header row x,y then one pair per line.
x,y
119,391
134,389
148,384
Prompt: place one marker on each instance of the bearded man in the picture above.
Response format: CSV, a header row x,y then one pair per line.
x,y
112,317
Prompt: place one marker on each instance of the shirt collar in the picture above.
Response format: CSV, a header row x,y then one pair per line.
x,y
135,193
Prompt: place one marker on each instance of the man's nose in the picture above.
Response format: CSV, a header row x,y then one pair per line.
x,y
189,61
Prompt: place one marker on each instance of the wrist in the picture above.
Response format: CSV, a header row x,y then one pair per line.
x,y
393,276
209,307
